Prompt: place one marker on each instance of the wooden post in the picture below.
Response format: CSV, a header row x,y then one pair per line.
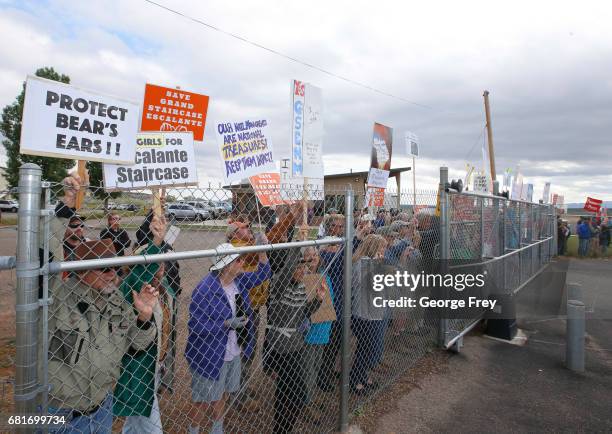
x,y
82,172
489,135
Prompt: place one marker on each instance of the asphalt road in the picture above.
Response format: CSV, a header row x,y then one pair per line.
x,y
493,386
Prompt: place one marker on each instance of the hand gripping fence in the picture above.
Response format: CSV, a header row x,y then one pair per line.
x,y
211,327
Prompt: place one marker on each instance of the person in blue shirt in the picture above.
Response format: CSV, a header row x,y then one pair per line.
x,y
584,235
220,329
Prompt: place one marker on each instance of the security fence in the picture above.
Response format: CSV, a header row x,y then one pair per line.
x,y
219,314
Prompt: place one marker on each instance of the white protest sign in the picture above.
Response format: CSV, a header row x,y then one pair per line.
x,y
245,147
312,147
378,178
162,159
64,121
481,183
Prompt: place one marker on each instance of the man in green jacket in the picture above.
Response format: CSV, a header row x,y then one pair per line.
x,y
91,326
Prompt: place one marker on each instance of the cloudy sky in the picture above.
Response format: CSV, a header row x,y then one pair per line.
x,y
546,64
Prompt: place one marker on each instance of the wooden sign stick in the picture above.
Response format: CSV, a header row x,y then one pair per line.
x,y
157,208
82,172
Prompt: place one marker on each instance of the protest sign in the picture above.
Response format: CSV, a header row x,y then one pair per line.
x,y
375,197
245,146
64,121
592,205
168,109
546,193
162,159
481,183
267,188
412,144
380,162
312,144
529,197
517,185
507,177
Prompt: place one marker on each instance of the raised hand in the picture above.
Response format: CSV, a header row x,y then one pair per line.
x,y
144,302
72,185
158,228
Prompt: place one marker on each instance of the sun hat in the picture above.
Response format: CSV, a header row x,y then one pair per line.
x,y
222,260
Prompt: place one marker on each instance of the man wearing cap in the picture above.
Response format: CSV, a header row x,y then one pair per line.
x,y
91,326
220,331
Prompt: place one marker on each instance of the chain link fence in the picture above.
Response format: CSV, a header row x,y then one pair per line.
x,y
237,317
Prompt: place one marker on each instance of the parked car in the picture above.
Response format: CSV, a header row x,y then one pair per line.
x,y
9,205
220,208
175,211
202,207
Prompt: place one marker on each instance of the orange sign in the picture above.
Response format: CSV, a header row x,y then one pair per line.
x,y
375,196
267,188
167,109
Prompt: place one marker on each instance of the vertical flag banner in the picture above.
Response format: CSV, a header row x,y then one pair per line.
x,y
312,143
168,109
380,162
297,128
246,148
592,205
546,193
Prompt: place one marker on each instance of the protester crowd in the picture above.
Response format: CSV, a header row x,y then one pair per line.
x,y
112,330
593,236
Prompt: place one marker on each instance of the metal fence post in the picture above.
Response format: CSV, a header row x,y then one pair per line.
x,y
26,298
444,245
346,309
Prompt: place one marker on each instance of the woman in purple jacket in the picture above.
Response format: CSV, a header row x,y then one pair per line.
x,y
220,328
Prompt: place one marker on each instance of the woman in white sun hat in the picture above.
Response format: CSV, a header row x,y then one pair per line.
x,y
220,328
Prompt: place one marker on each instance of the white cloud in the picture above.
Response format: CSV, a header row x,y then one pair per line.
x,y
546,63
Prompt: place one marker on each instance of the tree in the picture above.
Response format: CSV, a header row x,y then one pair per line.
x,y
53,169
96,183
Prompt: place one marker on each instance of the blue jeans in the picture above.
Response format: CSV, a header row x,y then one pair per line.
x,y
99,422
583,246
369,335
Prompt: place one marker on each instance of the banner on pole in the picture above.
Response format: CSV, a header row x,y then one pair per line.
x,y
64,121
517,185
380,162
412,144
298,89
246,148
592,205
529,196
546,193
267,188
168,109
162,160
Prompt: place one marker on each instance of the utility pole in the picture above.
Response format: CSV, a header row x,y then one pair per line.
x,y
489,135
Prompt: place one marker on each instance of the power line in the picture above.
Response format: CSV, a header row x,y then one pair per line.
x,y
475,143
286,56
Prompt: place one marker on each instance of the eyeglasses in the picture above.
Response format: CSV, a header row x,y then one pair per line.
x,y
76,226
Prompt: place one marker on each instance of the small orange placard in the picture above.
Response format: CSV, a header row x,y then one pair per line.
x,y
267,188
167,109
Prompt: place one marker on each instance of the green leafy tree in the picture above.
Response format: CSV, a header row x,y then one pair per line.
x,y
53,169
96,183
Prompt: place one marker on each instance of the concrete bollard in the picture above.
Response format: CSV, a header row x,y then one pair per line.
x,y
574,350
574,292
